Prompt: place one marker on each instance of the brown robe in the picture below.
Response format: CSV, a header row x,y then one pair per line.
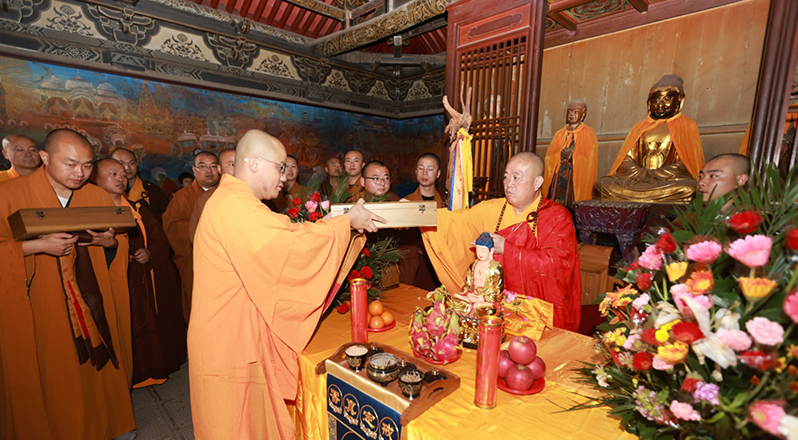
x,y
176,222
141,189
159,337
45,392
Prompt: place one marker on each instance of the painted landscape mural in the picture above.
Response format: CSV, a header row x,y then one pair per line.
x,y
166,124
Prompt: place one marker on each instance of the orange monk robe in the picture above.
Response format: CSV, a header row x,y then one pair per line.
x,y
545,266
151,193
8,174
685,136
45,393
260,285
195,215
585,159
176,222
416,196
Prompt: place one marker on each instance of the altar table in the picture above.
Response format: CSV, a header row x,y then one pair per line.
x,y
540,416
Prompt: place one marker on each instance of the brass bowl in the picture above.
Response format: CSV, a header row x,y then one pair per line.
x,y
383,368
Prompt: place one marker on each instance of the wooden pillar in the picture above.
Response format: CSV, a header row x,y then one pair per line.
x,y
776,73
496,47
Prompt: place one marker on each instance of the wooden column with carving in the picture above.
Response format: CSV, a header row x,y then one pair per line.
x,y
496,47
776,73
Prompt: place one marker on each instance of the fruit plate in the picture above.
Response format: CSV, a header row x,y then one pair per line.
x,y
384,329
434,362
537,386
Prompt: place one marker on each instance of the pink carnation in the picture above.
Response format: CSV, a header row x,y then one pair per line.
x,y
766,414
790,305
651,258
765,331
705,252
737,340
753,250
680,288
325,205
661,364
703,300
685,411
641,301
311,206
630,342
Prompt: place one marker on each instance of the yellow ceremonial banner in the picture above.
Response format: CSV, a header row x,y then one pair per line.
x,y
462,173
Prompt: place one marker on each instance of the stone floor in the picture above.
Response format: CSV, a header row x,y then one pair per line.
x,y
163,412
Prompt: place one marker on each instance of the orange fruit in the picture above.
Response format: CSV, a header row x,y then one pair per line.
x,y
375,308
376,322
387,317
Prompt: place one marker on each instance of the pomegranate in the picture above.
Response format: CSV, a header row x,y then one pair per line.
x,y
519,378
505,362
522,350
538,368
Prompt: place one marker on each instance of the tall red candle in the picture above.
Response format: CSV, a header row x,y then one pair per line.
x,y
360,309
490,339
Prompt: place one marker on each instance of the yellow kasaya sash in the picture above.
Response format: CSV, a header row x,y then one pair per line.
x,y
462,172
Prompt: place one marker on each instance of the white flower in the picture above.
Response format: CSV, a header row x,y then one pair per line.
x,y
788,427
667,313
717,350
717,376
601,376
727,320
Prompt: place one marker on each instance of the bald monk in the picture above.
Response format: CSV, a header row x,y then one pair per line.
x,y
428,171
139,189
291,189
63,370
354,161
159,338
227,159
722,175
375,183
535,235
260,282
177,218
23,154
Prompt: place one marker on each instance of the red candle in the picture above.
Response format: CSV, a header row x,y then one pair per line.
x,y
360,310
490,339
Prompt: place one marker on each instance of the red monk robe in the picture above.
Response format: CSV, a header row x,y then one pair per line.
x,y
45,392
545,266
176,221
159,337
260,284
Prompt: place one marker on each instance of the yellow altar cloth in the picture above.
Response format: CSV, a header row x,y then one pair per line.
x,y
540,416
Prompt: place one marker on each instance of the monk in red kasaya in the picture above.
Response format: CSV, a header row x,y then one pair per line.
x,y
533,237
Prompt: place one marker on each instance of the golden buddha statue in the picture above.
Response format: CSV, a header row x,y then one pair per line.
x,y
662,155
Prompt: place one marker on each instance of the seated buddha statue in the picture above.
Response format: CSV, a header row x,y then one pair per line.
x,y
662,155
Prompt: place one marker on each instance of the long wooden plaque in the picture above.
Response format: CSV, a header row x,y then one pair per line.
x,y
31,223
398,214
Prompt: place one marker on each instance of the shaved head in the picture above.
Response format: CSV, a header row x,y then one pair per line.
x,y
206,169
227,159
128,160
533,160
723,174
260,162
122,153
205,155
523,177
22,152
109,175
67,158
56,138
577,103
13,139
102,164
737,163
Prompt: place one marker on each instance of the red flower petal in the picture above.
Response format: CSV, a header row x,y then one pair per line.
x,y
642,361
644,280
666,243
792,239
745,222
297,201
687,332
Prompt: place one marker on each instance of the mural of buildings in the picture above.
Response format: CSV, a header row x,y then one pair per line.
x,y
165,124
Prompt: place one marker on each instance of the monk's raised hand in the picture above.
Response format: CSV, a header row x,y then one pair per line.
x,y
362,219
498,243
105,239
57,245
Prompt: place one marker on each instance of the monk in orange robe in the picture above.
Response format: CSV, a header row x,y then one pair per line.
x,y
65,338
23,154
428,171
354,161
227,160
572,159
159,338
260,285
139,189
177,218
292,188
534,240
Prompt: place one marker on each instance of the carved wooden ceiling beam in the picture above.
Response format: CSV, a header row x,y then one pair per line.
x,y
319,8
379,28
566,4
640,5
563,21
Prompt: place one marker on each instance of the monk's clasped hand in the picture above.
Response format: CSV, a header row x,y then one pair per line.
x,y
105,239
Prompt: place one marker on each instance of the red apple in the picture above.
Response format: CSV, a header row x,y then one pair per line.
x,y
538,368
519,378
522,350
505,362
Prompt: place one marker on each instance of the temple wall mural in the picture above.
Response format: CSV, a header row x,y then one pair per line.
x,y
165,124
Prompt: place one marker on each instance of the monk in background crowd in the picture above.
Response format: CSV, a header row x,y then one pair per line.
x,y
159,337
375,183
260,285
354,161
64,371
139,189
428,171
722,175
23,153
227,159
333,169
177,218
291,189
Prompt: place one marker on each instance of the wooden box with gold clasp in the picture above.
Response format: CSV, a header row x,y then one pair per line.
x,y
397,214
31,223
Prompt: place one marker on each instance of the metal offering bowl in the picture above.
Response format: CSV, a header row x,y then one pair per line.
x,y
410,383
356,356
383,368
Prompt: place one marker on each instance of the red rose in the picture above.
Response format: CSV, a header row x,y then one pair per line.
x,y
758,359
354,274
293,212
634,266
344,307
313,216
666,243
649,335
366,252
366,272
297,201
690,384
745,222
687,332
642,361
644,280
315,197
792,239
616,356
